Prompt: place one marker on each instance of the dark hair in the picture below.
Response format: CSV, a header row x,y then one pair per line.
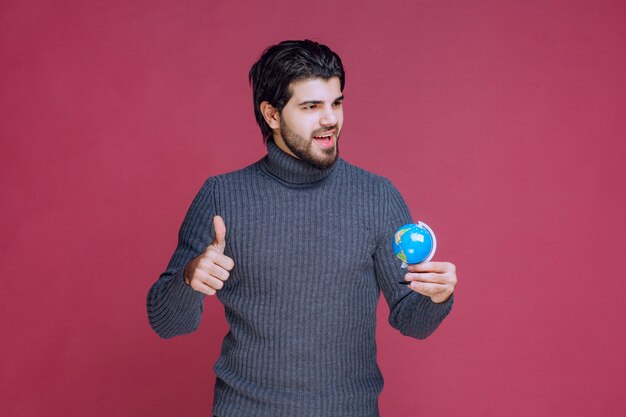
x,y
285,63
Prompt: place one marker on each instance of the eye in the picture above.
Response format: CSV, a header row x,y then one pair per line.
x,y
337,103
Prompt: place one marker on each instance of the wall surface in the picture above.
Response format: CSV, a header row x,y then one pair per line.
x,y
501,122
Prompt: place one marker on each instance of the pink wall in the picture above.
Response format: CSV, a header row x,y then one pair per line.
x,y
511,113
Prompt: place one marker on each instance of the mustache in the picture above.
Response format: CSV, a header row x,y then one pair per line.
x,y
328,129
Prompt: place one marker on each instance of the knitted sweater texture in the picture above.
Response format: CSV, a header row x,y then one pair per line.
x,y
312,252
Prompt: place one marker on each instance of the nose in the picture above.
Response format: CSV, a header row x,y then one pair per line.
x,y
329,118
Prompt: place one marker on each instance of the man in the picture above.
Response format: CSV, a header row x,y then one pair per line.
x,y
297,247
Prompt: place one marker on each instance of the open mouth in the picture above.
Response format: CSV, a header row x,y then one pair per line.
x,y
325,140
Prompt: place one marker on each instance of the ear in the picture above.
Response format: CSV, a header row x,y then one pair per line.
x,y
270,114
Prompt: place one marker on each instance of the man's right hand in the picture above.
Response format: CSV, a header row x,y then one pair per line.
x,y
207,272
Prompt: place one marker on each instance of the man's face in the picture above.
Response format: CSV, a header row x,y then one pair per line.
x,y
310,123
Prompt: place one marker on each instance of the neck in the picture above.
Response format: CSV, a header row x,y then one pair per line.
x,y
291,170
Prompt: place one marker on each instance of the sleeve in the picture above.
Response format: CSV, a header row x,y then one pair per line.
x,y
174,308
411,313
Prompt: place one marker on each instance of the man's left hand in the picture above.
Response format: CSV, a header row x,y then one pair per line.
x,y
432,279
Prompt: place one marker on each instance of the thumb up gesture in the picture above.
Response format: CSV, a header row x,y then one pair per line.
x,y
207,272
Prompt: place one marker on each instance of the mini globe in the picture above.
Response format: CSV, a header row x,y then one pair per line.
x,y
414,243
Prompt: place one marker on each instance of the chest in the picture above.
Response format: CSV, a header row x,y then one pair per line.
x,y
295,236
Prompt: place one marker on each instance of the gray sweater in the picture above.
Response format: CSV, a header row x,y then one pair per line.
x,y
312,251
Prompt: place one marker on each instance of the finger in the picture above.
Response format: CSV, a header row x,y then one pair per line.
x,y
428,289
204,282
223,261
215,283
427,277
212,256
218,272
200,286
436,292
219,227
440,267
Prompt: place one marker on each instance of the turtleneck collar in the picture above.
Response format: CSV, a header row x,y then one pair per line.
x,y
290,170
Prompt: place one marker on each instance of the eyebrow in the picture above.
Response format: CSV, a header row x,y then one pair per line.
x,y
340,98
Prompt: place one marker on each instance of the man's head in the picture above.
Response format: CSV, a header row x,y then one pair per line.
x,y
297,92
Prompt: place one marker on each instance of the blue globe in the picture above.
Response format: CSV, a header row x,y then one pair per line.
x,y
414,243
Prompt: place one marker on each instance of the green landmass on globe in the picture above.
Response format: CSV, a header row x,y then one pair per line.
x,y
399,234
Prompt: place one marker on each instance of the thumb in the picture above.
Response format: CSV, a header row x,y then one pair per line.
x,y
219,241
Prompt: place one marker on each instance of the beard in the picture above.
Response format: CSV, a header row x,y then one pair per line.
x,y
302,147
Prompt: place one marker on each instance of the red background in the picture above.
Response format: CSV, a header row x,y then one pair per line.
x,y
501,122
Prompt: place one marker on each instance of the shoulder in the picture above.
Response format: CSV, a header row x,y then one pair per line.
x,y
229,178
378,190
385,203
378,183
